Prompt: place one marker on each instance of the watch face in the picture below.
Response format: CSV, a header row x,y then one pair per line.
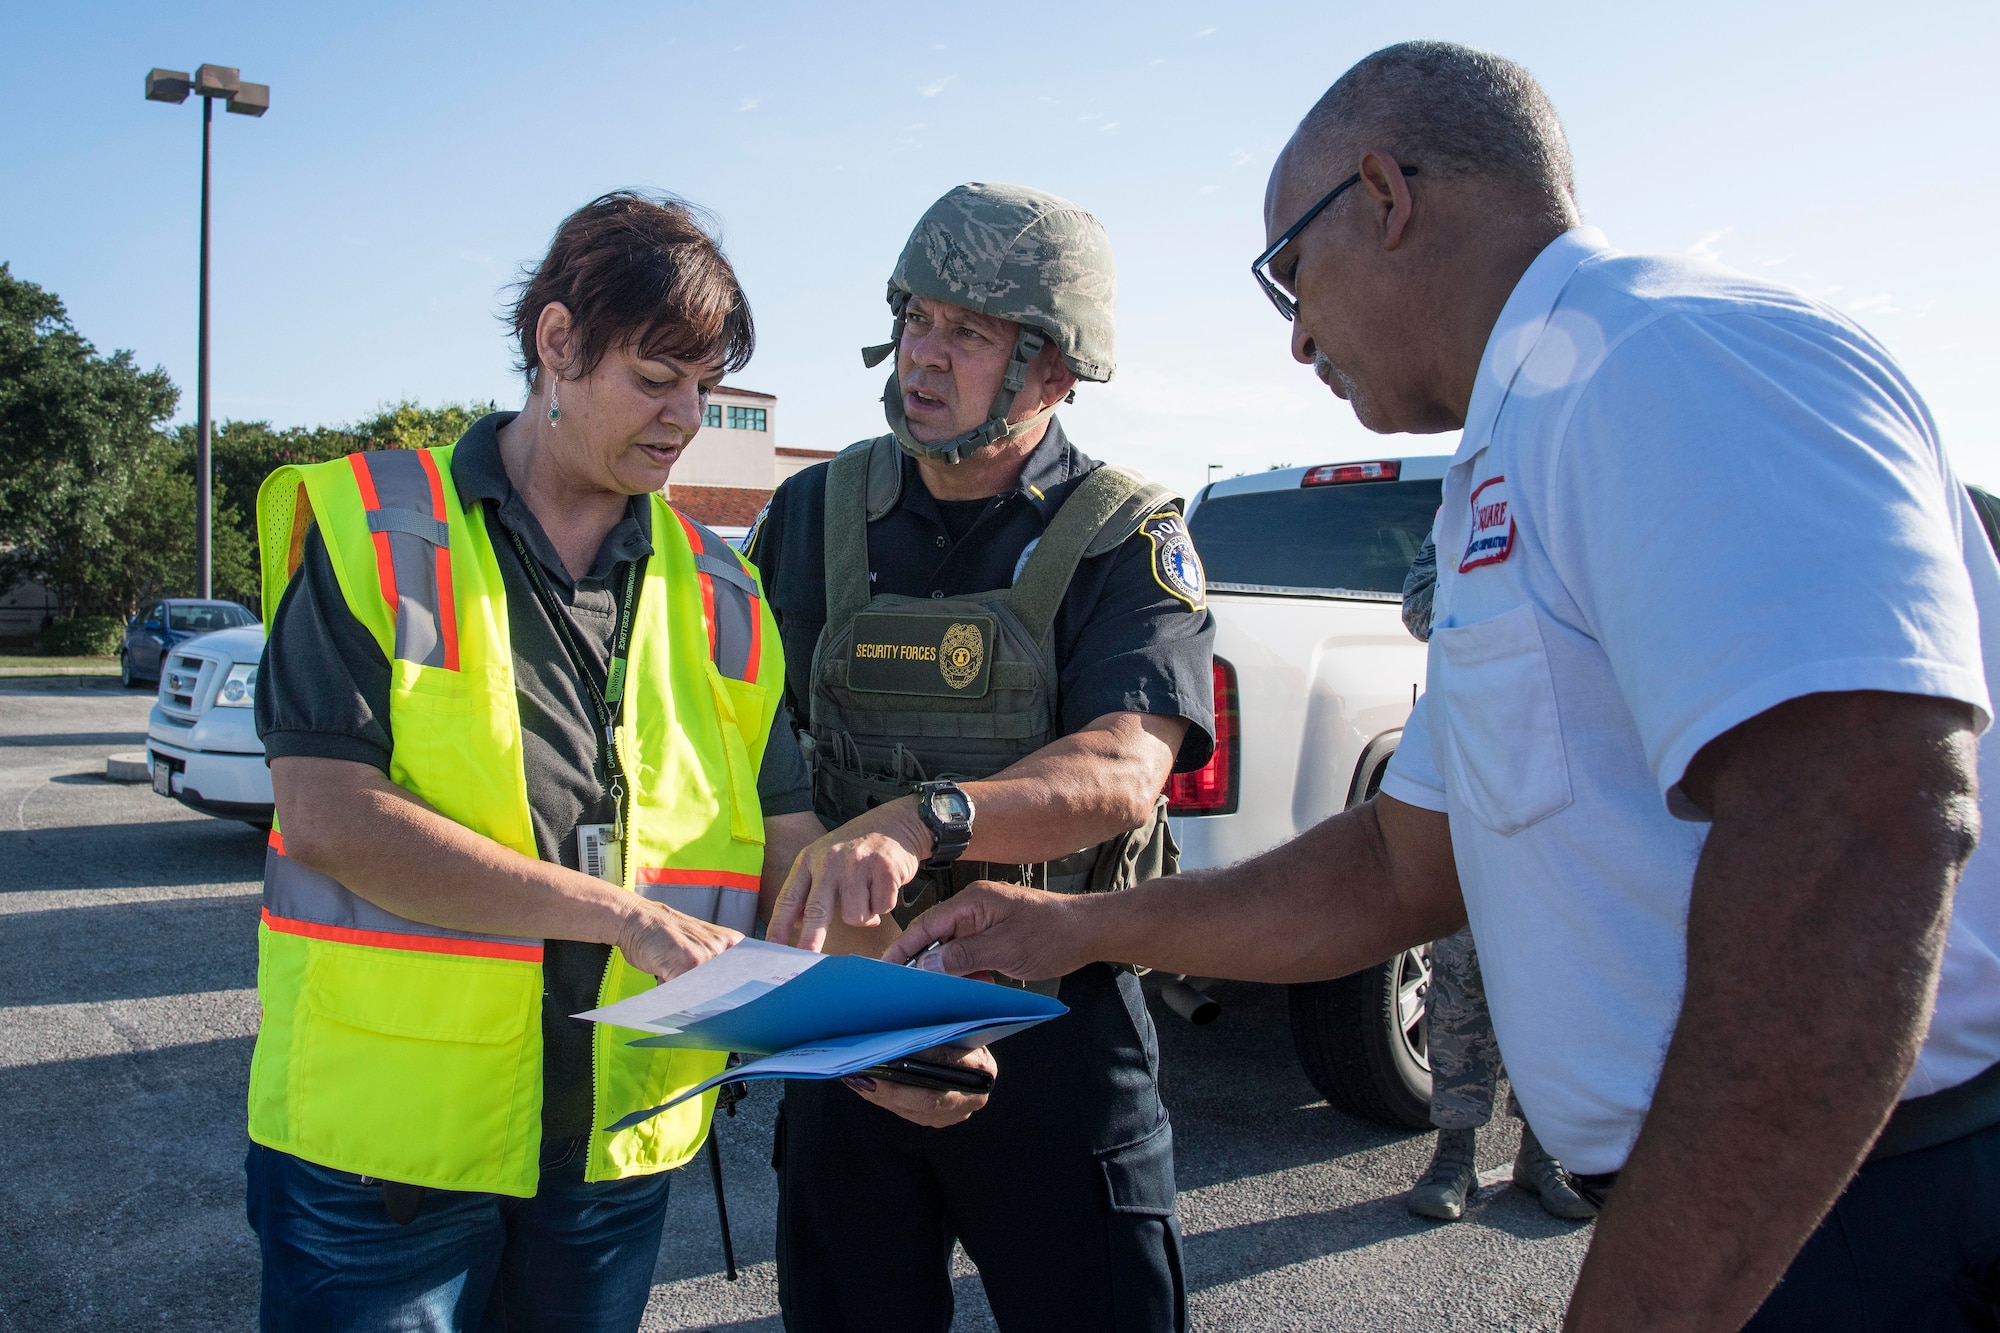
x,y
951,807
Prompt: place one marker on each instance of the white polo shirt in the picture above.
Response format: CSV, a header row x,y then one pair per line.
x,y
1683,496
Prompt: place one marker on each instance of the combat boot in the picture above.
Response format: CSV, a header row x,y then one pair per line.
x,y
1450,1181
1543,1176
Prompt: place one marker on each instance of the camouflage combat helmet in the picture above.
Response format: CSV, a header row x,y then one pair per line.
x,y
1014,253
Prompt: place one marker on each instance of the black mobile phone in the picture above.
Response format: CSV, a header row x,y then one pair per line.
x,y
931,1074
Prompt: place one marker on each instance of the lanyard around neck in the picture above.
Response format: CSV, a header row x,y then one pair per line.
x,y
605,703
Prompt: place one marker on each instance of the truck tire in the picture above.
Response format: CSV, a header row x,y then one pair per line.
x,y
1361,1039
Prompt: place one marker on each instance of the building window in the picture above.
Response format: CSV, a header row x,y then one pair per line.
x,y
712,415
746,418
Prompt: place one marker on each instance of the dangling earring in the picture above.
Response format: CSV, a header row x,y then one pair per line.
x,y
555,405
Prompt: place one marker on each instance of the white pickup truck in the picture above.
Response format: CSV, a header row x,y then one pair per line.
x,y
1314,677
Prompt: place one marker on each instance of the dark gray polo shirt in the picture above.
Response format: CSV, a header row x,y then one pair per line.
x,y
323,690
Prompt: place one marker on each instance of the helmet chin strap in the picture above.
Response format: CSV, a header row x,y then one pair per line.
x,y
995,428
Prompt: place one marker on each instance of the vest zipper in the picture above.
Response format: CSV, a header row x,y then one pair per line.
x,y
600,1033
628,874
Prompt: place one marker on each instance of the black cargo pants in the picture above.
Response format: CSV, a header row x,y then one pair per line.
x,y
1912,1243
1061,1189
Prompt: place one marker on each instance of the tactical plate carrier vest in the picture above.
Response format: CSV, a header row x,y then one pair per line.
x,y
915,689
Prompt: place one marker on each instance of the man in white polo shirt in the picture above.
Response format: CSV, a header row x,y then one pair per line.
x,y
1713,631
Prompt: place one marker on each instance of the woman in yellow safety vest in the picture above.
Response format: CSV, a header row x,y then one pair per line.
x,y
519,713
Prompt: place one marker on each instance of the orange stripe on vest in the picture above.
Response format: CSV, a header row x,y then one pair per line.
x,y
382,939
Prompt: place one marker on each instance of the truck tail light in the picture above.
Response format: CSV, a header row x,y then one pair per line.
x,y
1211,789
1333,474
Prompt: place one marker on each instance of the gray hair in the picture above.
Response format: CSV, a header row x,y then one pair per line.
x,y
1454,112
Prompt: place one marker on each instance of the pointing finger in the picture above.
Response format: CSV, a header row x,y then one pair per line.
x,y
816,918
784,917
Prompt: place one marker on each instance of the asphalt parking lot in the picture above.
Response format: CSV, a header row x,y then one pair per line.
x,y
127,1009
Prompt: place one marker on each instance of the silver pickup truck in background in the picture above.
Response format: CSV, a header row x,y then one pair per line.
x,y
1314,677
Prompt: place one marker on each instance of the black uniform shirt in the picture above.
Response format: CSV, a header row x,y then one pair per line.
x,y
323,690
1124,644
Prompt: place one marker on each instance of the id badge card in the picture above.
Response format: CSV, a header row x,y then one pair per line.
x,y
598,853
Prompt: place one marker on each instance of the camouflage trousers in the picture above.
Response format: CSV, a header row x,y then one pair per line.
x,y
1464,1053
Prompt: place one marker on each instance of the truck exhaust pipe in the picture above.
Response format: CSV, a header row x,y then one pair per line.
x,y
1185,996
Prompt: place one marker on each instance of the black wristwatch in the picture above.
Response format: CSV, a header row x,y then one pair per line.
x,y
947,812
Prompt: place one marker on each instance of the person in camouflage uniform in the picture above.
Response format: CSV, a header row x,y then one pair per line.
x,y
1046,618
1464,1052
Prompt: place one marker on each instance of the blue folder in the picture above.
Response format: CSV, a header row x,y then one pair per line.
x,y
845,1014
851,996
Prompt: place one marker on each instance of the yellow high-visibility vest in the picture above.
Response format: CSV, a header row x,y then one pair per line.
x,y
413,1053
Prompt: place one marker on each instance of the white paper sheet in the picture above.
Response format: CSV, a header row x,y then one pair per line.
x,y
733,978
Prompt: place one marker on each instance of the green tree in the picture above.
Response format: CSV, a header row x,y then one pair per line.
x,y
241,455
97,499
154,554
409,426
78,433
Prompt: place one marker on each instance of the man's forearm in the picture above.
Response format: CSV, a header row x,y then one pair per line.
x,y
1342,896
348,821
1815,928
1074,792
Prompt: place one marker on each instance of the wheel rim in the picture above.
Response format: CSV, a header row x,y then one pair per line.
x,y
1413,984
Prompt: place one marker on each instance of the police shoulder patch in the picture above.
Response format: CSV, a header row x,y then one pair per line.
x,y
1176,567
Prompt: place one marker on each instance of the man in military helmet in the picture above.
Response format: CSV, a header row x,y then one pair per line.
x,y
1000,649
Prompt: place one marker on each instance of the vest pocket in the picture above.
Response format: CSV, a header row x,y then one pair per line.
x,y
741,707
466,725
418,1069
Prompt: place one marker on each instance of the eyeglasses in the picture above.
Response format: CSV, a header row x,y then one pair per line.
x,y
1261,268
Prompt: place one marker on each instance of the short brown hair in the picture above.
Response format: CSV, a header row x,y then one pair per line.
x,y
643,269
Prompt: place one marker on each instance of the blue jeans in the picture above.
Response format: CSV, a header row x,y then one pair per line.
x,y
577,1256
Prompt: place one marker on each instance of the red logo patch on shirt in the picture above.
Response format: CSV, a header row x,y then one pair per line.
x,y
1492,537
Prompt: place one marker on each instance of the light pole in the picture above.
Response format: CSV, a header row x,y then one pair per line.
x,y
245,99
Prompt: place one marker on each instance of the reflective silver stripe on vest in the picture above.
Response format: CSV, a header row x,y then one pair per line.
x,y
734,908
727,570
433,530
735,599
416,530
299,893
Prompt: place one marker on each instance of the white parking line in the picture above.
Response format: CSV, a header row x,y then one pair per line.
x,y
48,900
40,1034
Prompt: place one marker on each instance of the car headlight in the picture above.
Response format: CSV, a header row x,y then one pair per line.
x,y
239,687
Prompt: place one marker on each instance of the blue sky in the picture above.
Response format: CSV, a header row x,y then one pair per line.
x,y
416,155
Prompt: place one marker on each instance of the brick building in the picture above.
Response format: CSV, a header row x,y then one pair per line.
x,y
734,462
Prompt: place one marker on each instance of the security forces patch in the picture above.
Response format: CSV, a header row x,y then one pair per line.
x,y
921,654
1176,567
